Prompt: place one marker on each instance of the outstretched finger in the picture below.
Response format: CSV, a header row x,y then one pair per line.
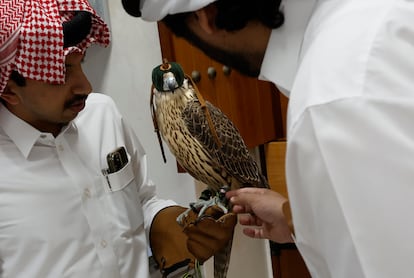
x,y
243,200
239,209
245,190
254,232
250,220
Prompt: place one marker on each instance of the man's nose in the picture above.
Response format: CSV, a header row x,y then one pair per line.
x,y
81,84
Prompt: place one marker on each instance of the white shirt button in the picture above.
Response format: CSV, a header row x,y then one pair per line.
x,y
61,148
87,193
104,243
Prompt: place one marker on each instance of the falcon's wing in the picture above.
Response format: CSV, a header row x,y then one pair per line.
x,y
233,154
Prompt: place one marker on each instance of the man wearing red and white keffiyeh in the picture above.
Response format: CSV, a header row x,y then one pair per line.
x,y
76,200
59,215
32,43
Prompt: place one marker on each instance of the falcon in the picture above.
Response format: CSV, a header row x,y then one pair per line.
x,y
203,140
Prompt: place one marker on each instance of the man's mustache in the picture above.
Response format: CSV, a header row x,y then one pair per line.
x,y
75,99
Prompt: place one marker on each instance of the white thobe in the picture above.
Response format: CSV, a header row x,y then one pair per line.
x,y
350,173
58,215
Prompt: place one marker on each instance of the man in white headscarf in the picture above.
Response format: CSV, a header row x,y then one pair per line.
x,y
76,200
347,67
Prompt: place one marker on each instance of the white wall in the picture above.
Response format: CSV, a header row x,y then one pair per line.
x,y
123,71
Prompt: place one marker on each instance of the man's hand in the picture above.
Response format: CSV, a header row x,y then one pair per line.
x,y
210,233
266,209
174,246
168,242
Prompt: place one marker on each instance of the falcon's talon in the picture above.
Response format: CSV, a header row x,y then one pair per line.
x,y
215,201
180,218
203,204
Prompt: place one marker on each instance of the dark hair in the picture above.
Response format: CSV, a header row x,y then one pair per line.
x,y
233,15
18,78
76,29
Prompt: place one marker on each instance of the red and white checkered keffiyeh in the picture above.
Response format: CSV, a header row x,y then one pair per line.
x,y
31,38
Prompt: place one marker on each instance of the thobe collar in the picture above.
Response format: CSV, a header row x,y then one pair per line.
x,y
282,53
23,134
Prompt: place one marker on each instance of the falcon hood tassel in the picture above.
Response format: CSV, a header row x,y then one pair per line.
x,y
205,143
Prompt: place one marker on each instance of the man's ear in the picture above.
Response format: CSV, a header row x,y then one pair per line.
x,y
9,95
206,17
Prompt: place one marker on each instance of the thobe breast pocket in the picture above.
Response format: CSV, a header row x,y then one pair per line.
x,y
123,202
